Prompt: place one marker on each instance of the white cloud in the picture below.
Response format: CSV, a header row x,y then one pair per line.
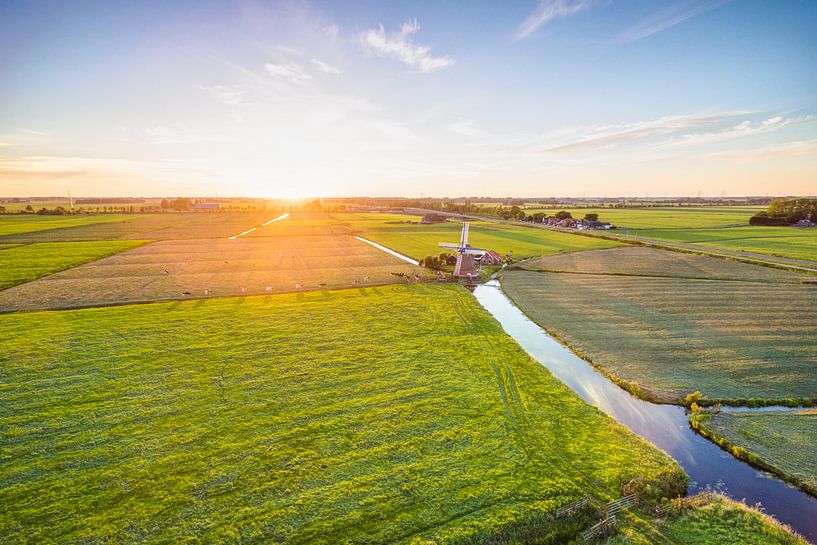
x,y
549,10
332,31
399,46
667,18
291,72
325,68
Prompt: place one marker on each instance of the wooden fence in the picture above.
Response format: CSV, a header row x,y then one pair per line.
x,y
600,529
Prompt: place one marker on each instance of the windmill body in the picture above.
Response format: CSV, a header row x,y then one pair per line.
x,y
466,266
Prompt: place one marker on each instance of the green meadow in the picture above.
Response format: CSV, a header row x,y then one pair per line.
x,y
671,217
718,521
24,263
398,414
12,224
740,333
403,234
780,441
788,242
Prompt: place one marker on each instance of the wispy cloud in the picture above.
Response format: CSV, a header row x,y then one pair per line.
x,y
332,31
290,72
400,46
549,10
603,136
325,68
798,148
667,18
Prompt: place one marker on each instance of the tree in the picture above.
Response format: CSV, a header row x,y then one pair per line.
x,y
29,208
181,204
562,215
430,262
591,217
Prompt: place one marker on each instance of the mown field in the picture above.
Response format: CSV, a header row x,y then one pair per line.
x,y
175,269
404,235
780,441
664,337
671,217
24,263
30,223
323,417
168,226
644,261
720,521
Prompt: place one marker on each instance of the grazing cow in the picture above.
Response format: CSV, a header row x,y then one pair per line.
x,y
268,289
298,286
365,278
186,293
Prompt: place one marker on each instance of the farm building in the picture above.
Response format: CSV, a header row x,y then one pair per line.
x,y
490,257
433,218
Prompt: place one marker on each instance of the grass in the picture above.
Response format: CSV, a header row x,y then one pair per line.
x,y
24,263
645,261
717,522
671,217
245,266
787,242
395,414
781,441
167,226
662,337
30,223
417,241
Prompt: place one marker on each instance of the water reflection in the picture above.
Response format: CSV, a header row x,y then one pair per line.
x,y
666,426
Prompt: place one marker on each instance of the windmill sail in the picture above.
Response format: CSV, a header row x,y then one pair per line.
x,y
464,236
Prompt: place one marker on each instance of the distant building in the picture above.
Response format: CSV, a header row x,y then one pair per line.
x,y
207,206
433,218
490,257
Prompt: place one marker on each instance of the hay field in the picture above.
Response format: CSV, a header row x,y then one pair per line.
x,y
331,417
412,239
245,266
24,263
666,337
644,261
167,226
780,441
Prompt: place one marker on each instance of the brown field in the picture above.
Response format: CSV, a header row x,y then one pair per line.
x,y
641,261
245,266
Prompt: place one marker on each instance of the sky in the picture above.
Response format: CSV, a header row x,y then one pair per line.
x,y
297,99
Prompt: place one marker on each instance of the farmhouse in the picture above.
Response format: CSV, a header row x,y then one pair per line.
x,y
490,257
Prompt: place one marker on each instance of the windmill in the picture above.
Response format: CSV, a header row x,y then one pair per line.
x,y
465,253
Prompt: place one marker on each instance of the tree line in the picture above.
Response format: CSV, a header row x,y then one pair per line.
x,y
786,212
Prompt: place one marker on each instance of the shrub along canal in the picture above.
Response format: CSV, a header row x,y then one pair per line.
x,y
666,426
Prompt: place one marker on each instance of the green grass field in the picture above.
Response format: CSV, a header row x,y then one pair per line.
x,y
19,264
29,223
415,240
781,441
788,242
671,217
719,521
733,340
397,414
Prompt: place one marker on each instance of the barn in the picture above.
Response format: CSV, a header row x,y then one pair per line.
x,y
490,257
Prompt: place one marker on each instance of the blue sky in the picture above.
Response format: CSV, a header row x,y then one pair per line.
x,y
526,98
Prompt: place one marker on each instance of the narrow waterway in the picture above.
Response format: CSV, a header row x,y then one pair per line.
x,y
665,426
